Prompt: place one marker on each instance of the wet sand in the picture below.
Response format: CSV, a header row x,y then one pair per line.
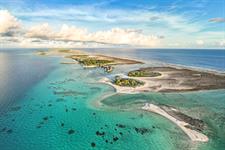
x,y
174,80
192,134
171,79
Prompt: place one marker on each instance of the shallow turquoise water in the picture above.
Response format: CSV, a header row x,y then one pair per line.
x,y
61,111
206,105
31,131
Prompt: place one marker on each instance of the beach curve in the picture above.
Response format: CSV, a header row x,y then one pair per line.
x,y
192,134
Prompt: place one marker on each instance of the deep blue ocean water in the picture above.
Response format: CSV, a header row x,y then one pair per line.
x,y
202,58
42,100
19,71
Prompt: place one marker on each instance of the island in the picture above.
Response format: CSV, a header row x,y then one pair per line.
x,y
143,73
171,79
128,82
151,79
88,60
192,127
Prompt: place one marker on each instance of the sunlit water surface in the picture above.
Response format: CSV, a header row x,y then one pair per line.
x,y
48,105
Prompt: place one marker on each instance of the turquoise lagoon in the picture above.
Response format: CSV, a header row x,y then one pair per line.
x,y
48,105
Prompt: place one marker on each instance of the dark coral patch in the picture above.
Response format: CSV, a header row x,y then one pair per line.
x,y
41,122
3,129
121,126
115,139
74,109
38,126
71,131
45,118
142,130
9,131
93,144
100,133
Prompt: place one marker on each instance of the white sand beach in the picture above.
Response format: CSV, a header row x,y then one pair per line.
x,y
172,79
192,134
123,89
152,84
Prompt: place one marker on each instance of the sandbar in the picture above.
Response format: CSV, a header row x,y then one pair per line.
x,y
192,134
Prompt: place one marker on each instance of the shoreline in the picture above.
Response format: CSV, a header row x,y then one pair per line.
x,y
192,134
195,68
184,126
55,52
179,66
77,54
125,90
171,79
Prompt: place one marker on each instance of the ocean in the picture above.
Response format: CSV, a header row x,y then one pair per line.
x,y
208,59
47,105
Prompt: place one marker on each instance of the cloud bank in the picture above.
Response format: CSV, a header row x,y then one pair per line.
x,y
8,23
73,33
113,28
44,34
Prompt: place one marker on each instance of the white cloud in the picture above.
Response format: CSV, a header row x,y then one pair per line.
x,y
42,31
72,33
123,30
7,22
222,43
125,36
113,36
200,42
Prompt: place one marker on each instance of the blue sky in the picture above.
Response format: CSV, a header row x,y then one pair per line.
x,y
98,23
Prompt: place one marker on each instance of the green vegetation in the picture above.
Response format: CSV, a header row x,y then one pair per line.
x,y
94,62
41,53
91,61
143,73
64,50
127,82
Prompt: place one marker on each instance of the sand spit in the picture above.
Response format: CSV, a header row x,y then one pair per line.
x,y
77,54
192,134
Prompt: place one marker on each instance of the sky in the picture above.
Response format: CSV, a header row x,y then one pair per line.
x,y
112,23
